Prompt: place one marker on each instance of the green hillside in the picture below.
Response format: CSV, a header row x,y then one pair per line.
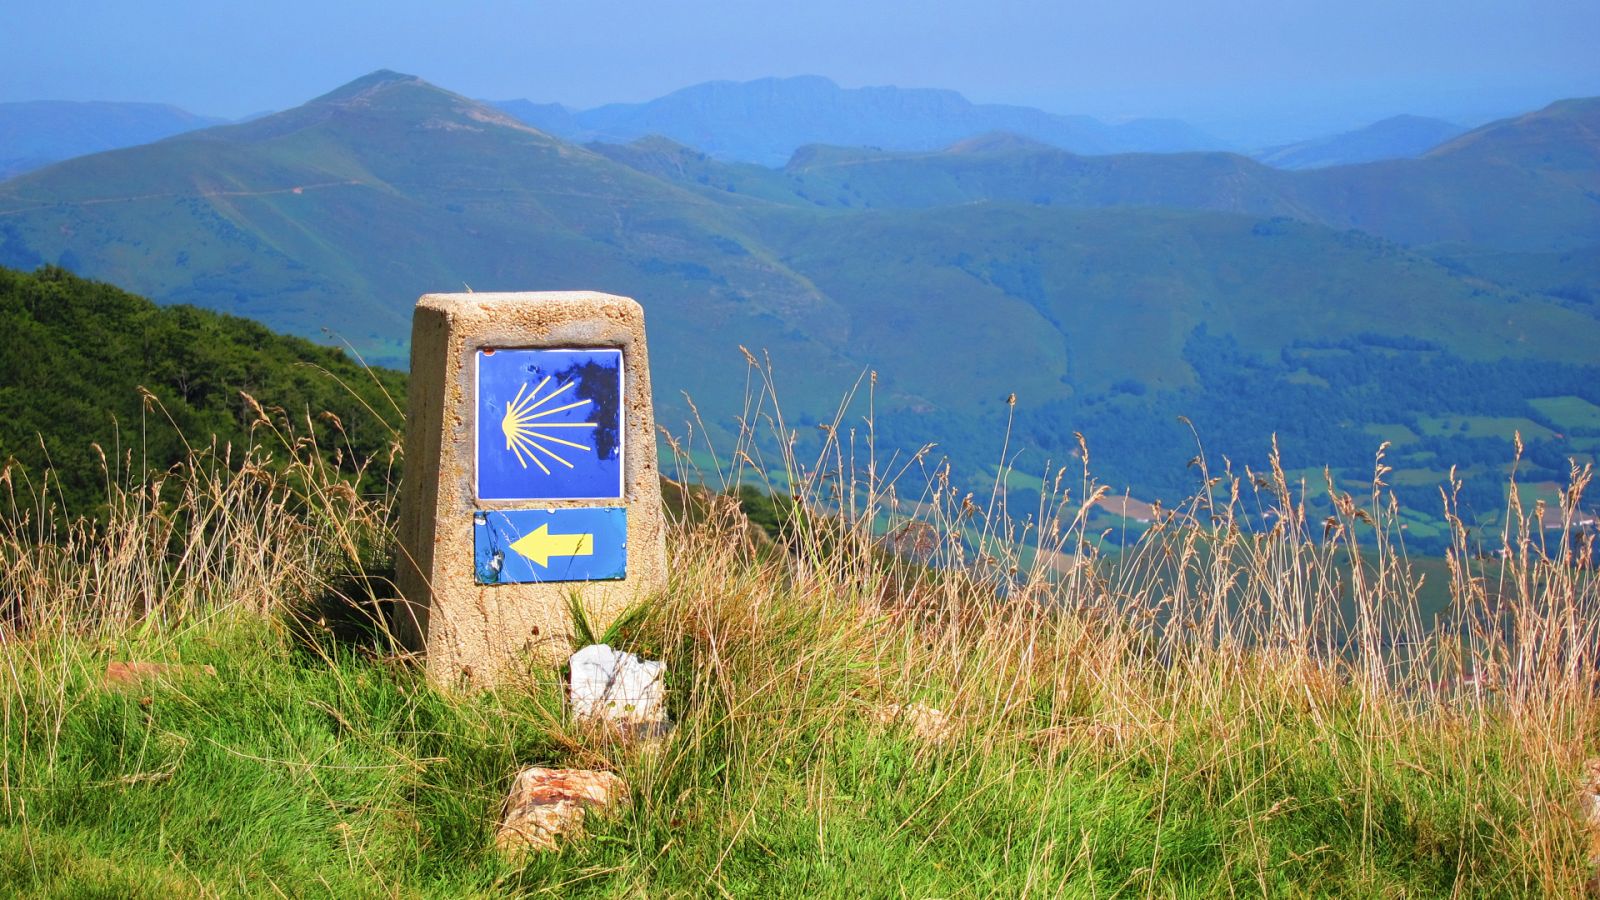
x,y
78,355
1531,184
1226,330
1114,293
1110,294
1569,276
338,214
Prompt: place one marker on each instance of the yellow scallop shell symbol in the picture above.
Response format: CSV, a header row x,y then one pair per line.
x,y
525,432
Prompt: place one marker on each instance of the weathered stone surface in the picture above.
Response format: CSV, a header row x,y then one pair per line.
x,y
619,689
926,723
122,674
547,805
472,634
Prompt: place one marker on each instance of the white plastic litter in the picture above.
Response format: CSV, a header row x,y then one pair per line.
x,y
618,687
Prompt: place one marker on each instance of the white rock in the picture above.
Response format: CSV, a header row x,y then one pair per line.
x,y
618,688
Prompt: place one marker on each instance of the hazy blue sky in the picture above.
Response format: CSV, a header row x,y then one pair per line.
x,y
1280,63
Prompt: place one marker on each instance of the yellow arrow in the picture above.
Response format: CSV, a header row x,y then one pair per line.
x,y
540,545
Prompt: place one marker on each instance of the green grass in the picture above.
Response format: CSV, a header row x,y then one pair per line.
x,y
1484,426
1591,445
1414,477
1394,433
293,769
306,767
1015,479
1571,413
283,772
1230,705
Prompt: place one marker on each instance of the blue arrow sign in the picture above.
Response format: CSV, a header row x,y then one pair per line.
x,y
524,546
549,424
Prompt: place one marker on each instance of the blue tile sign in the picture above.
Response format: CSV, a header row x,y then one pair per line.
x,y
549,424
523,546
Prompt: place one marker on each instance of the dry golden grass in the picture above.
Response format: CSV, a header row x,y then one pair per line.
x,y
1238,642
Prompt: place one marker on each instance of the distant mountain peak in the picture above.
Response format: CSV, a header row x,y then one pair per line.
x,y
999,142
388,94
655,143
370,84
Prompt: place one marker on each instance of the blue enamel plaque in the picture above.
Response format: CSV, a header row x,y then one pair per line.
x,y
549,424
523,546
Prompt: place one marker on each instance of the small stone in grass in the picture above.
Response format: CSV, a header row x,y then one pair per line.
x,y
546,805
927,723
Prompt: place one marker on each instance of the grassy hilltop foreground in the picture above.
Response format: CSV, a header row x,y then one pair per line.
x,y
1245,701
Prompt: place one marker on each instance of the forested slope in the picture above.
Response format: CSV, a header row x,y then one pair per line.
x,y
89,365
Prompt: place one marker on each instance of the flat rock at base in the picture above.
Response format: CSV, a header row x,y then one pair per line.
x,y
619,689
546,805
121,674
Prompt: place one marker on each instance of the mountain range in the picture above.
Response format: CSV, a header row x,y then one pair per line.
x,y
1438,303
765,120
762,121
1530,183
37,133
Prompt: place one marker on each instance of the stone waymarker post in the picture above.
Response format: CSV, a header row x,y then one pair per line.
x,y
530,474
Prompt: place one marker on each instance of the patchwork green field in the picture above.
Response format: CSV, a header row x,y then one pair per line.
x,y
1568,413
1502,427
